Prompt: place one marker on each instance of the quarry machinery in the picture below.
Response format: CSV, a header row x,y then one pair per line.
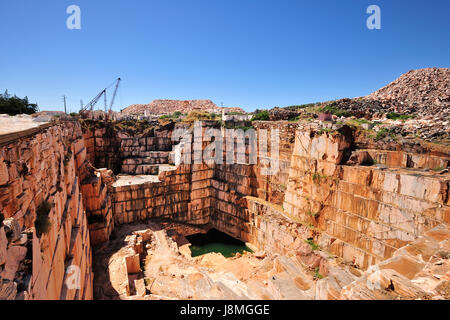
x,y
89,108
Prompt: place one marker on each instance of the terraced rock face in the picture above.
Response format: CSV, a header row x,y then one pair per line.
x,y
335,208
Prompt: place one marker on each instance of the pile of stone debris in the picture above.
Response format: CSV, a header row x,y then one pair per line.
x,y
277,114
425,92
428,130
365,108
161,107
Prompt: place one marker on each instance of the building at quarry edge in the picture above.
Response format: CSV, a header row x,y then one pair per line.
x,y
324,192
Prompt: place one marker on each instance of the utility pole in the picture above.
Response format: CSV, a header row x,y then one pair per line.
x,y
81,104
65,106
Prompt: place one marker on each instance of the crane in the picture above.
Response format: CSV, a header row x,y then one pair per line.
x,y
90,106
115,93
94,101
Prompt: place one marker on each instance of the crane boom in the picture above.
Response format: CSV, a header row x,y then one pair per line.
x,y
94,101
106,104
90,106
115,93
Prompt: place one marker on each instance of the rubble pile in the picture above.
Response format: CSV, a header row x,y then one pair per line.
x,y
427,130
277,114
365,108
161,107
425,92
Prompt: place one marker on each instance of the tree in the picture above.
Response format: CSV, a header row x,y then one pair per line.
x,y
13,105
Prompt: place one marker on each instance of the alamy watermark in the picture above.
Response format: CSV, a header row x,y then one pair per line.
x,y
74,20
73,277
228,146
374,20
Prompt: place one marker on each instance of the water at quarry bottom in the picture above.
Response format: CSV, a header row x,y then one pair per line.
x,y
216,241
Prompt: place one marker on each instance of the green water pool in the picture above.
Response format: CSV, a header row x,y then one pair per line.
x,y
216,241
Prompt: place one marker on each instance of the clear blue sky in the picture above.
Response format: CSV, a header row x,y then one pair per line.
x,y
247,53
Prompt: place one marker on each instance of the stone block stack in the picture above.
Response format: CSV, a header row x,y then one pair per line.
x,y
164,198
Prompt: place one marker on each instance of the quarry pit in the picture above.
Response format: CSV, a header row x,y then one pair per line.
x,y
342,217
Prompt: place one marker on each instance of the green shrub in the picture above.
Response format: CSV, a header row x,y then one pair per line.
x,y
331,108
42,223
301,106
313,245
295,119
317,275
44,208
323,130
398,116
174,115
199,116
362,120
235,113
312,214
311,226
317,178
261,116
381,134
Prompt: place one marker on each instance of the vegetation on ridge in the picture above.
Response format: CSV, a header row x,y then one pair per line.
x,y
199,116
398,116
261,116
13,105
331,108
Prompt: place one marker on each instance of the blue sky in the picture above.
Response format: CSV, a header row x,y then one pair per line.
x,y
247,53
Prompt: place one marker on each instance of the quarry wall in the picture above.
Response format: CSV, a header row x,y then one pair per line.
x,y
361,213
364,213
40,179
358,212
